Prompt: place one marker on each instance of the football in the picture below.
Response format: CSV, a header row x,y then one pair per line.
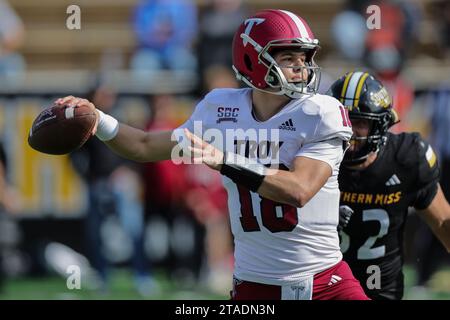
x,y
61,129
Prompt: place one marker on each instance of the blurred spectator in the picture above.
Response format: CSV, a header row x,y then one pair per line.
x,y
218,23
9,230
115,190
348,30
164,174
219,76
207,200
381,47
387,49
193,197
9,198
2,206
179,245
383,50
442,21
2,176
431,253
165,31
11,38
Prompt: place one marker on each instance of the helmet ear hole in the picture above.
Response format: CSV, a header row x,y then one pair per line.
x,y
248,62
273,79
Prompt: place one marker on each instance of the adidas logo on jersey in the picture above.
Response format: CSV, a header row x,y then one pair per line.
x,y
288,125
393,181
334,279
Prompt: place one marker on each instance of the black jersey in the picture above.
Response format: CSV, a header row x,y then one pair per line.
x,y
405,174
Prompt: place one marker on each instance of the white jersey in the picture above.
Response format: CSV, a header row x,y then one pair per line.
x,y
276,243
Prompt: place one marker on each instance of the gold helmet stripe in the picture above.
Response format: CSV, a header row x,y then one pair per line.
x,y
359,88
345,86
351,89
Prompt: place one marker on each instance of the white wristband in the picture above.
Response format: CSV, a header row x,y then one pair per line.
x,y
107,126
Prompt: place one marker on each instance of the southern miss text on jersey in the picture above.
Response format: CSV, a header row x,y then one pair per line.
x,y
404,174
274,243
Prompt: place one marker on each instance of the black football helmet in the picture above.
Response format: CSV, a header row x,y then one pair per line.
x,y
365,98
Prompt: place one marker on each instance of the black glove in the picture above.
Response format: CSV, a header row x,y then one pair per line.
x,y
345,213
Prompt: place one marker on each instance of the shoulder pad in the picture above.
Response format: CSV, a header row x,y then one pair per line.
x,y
415,153
408,147
329,113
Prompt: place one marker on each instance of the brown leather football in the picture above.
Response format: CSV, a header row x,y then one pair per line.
x,y
61,129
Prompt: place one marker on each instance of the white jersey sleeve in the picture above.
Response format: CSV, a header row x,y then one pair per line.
x,y
329,151
331,119
326,140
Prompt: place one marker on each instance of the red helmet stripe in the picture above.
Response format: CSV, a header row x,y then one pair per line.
x,y
302,27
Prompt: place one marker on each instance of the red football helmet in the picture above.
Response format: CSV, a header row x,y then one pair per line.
x,y
254,43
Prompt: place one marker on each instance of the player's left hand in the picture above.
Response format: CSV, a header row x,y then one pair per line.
x,y
345,213
203,152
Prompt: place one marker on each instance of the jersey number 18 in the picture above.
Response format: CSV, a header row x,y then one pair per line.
x,y
275,216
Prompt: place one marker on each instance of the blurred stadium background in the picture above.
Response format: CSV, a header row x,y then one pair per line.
x,y
160,231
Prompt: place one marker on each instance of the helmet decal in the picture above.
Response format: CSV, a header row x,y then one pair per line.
x,y
250,23
382,98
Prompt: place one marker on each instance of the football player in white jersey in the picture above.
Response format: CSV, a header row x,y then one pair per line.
x,y
278,145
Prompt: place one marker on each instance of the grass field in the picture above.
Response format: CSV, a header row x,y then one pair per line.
x,y
121,288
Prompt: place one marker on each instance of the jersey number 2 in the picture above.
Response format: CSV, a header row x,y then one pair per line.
x,y
275,216
366,251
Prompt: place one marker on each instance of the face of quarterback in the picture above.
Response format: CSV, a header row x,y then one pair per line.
x,y
361,129
291,63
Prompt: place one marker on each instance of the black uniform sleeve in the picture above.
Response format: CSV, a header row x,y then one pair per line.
x,y
428,172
